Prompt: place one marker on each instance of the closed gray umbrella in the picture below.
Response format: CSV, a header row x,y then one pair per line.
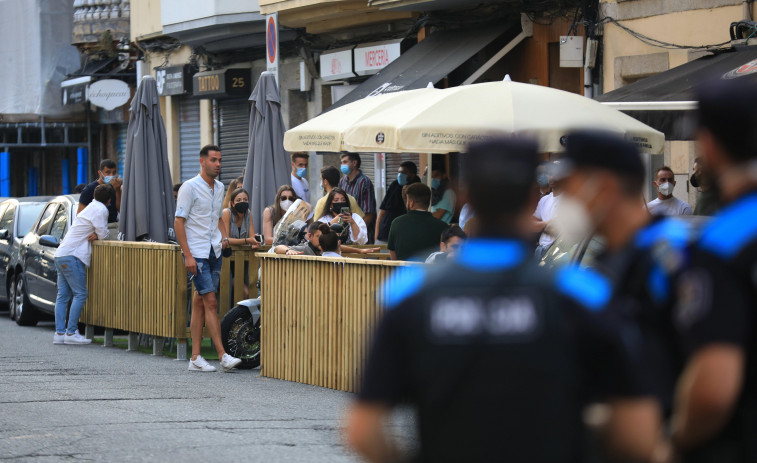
x,y
147,204
268,165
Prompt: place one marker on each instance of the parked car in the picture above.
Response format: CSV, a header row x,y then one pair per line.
x,y
584,252
36,278
17,215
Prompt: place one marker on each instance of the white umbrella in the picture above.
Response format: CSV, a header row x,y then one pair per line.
x,y
324,132
448,120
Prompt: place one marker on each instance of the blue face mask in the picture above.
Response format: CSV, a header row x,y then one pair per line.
x,y
435,182
301,171
542,180
321,186
402,179
345,169
108,178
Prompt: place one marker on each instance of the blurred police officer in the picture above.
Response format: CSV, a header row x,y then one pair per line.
x,y
603,178
497,357
715,416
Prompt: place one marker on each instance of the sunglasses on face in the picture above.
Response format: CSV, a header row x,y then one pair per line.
x,y
284,198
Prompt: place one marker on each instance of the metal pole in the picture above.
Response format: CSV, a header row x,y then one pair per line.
x,y
89,138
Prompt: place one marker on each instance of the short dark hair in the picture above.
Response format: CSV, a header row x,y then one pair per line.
x,y
353,157
329,241
104,192
452,231
420,194
665,168
315,226
207,149
439,166
177,186
108,164
80,187
726,110
410,167
331,175
300,154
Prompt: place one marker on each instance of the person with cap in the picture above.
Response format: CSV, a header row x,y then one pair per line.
x,y
497,356
545,212
715,414
602,176
665,203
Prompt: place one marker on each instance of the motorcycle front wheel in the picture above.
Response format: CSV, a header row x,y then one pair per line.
x,y
241,337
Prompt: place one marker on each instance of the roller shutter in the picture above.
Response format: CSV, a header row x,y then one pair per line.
x,y
189,137
233,129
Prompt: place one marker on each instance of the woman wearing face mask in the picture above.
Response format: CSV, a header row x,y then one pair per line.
x,y
336,202
285,197
239,227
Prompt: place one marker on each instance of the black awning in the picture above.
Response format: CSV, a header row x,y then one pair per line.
x,y
95,67
429,61
678,84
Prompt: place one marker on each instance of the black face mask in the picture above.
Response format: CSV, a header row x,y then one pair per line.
x,y
242,207
693,180
337,207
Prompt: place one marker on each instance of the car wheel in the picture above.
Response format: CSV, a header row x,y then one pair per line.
x,y
12,299
25,313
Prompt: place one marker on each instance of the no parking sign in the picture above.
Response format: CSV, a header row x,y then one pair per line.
x,y
272,44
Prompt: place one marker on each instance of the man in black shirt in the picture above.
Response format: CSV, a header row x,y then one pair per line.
x,y
393,204
715,414
497,356
108,173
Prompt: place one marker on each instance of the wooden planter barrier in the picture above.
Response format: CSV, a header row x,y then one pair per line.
x,y
318,316
141,288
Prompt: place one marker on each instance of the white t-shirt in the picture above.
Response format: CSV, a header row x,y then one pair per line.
x,y
93,218
301,187
202,207
545,211
671,206
362,237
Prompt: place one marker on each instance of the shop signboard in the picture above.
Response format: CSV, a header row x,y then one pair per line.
x,y
337,64
173,80
370,58
109,93
74,91
227,83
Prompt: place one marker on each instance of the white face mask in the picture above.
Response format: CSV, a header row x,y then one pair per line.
x,y
572,217
666,189
285,204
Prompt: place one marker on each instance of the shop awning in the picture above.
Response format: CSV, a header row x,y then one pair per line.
x,y
429,61
665,100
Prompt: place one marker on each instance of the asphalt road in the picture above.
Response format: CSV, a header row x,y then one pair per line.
x,y
60,402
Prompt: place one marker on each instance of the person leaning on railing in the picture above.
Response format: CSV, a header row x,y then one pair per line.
x,y
285,197
239,227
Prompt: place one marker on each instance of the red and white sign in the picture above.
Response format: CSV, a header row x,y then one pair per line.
x,y
744,70
337,65
272,44
370,58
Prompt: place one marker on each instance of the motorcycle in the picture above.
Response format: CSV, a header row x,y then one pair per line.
x,y
240,328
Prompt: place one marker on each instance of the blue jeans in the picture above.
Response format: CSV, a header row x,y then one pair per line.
x,y
208,274
72,281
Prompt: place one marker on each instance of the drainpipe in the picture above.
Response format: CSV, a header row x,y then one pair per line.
x,y
746,9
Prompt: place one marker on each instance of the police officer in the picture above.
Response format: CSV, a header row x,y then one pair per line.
x,y
603,178
497,357
715,418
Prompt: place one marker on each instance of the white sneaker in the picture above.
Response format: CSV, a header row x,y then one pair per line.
x,y
228,362
75,338
200,364
58,338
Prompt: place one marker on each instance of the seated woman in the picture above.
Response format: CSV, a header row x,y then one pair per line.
x,y
285,197
335,210
239,226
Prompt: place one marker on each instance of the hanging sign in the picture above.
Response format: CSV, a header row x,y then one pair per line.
x,y
109,93
173,80
337,65
222,84
370,58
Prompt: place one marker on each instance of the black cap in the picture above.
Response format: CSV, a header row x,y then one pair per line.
x,y
499,174
602,150
728,109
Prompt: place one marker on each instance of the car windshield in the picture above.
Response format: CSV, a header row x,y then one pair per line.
x,y
26,217
562,251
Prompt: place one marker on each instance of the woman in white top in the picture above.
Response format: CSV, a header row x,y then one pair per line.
x,y
335,210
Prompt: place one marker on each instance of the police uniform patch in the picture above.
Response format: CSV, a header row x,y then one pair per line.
x,y
694,297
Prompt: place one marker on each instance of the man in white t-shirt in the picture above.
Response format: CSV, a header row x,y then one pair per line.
x,y
299,175
666,203
544,213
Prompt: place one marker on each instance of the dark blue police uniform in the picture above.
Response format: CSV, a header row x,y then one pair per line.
x,y
498,356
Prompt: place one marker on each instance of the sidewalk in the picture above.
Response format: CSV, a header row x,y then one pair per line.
x,y
97,403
